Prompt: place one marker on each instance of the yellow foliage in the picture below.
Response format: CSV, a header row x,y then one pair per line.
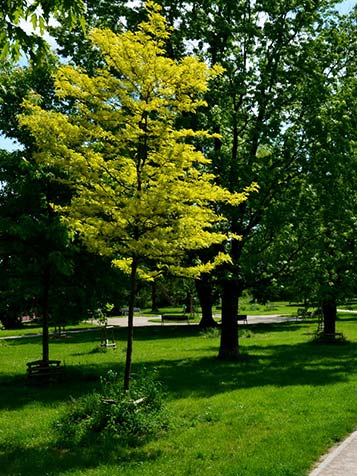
x,y
142,191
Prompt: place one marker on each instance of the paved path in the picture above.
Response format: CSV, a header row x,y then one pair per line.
x,y
140,321
144,321
340,461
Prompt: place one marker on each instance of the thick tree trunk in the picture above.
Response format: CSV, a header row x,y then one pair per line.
x,y
130,335
204,292
329,310
229,348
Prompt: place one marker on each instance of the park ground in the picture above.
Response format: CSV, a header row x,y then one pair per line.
x,y
273,414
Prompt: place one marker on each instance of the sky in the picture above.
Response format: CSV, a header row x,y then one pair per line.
x,y
344,7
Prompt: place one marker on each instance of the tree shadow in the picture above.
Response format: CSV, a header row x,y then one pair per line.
x,y
282,365
120,333
17,391
24,460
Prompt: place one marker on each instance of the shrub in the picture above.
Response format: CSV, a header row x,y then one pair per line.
x,y
129,417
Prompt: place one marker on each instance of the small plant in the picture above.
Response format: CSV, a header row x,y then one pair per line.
x,y
130,417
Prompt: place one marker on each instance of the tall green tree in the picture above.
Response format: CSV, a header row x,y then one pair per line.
x,y
315,250
142,195
331,169
44,271
259,106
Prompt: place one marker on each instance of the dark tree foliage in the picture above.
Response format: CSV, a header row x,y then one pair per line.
x,y
44,271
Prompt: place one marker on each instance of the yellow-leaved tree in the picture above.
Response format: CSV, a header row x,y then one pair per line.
x,y
141,191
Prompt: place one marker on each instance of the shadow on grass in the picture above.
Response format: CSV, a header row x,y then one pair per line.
x,y
17,391
148,333
277,365
282,365
120,333
22,460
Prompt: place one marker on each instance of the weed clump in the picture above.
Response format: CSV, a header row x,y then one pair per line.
x,y
110,413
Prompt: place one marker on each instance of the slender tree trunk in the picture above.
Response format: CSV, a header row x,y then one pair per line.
x,y
204,292
329,310
45,315
154,307
229,348
129,348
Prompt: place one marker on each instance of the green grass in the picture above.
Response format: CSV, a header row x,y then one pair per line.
x,y
278,307
273,414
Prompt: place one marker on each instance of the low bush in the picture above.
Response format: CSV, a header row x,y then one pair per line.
x,y
130,417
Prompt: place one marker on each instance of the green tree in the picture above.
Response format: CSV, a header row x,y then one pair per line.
x,y
259,106
43,271
314,252
14,38
142,195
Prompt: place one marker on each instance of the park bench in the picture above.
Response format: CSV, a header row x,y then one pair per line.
x,y
124,310
243,318
175,317
40,368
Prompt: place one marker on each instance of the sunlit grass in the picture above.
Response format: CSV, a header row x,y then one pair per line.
x,y
273,414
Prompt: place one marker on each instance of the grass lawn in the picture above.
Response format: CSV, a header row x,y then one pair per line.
x,y
271,415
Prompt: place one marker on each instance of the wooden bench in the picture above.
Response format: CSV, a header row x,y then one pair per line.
x,y
40,368
242,317
173,317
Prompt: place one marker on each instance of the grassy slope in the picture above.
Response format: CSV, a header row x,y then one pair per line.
x,y
274,414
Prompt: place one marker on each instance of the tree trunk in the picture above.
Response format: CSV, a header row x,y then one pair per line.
x,y
130,336
154,307
45,315
329,310
229,348
204,292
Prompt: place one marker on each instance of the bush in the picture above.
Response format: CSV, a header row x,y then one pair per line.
x,y
129,417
